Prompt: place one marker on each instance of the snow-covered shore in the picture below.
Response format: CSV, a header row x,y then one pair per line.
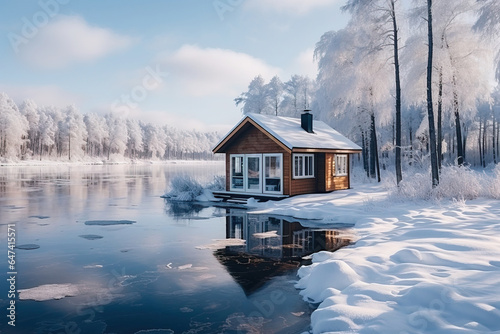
x,y
97,161
415,266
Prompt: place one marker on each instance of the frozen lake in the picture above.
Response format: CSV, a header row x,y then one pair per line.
x,y
100,252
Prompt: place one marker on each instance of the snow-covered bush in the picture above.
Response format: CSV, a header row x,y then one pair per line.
x,y
187,189
459,183
184,188
413,186
218,183
493,183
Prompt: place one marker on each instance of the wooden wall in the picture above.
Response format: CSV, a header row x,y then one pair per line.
x,y
249,140
333,182
310,185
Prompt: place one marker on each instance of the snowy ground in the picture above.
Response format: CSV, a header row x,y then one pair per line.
x,y
416,266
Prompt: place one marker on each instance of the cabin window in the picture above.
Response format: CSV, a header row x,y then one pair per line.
x,y
253,178
237,172
303,166
256,173
340,164
273,173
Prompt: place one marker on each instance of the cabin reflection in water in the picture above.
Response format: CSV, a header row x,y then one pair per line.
x,y
273,246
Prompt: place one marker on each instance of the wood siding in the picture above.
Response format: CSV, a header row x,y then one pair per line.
x,y
249,140
333,182
310,185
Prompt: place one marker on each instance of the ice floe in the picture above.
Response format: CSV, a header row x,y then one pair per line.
x,y
28,246
109,222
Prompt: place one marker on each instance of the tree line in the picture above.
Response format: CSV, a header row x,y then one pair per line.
x,y
414,82
29,131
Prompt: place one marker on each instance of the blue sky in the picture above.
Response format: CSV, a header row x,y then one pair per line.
x,y
169,62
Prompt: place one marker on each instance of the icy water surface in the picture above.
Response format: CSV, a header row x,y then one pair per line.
x,y
98,251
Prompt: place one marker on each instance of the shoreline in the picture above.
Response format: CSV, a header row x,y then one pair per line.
x,y
98,162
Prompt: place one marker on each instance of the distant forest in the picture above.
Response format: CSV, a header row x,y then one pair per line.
x,y
29,131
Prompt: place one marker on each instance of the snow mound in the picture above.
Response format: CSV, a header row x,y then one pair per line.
x,y
314,281
407,256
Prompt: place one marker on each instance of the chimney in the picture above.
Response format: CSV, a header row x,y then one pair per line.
x,y
306,121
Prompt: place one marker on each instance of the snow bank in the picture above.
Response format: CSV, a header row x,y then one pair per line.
x,y
415,266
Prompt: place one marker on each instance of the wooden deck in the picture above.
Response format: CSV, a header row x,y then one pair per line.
x,y
242,197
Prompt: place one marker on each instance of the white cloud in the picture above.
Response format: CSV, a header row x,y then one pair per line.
x,y
299,7
70,39
208,71
304,64
42,95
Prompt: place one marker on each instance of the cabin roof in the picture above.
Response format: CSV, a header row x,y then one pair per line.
x,y
288,131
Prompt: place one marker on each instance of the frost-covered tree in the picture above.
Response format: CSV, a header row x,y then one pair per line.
x,y
117,134
430,105
488,24
274,91
354,83
255,99
73,132
298,95
134,140
154,141
97,134
13,128
461,64
46,129
383,15
29,109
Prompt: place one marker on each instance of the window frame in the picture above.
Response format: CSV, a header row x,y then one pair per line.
x,y
245,174
345,164
264,156
304,158
241,156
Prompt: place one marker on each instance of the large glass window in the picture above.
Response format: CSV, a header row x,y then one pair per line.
x,y
257,173
303,165
237,168
340,164
273,173
253,173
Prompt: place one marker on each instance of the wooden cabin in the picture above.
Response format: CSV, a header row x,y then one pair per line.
x,y
274,156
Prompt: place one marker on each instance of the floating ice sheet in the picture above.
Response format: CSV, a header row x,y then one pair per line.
x,y
28,246
91,236
50,291
221,243
110,222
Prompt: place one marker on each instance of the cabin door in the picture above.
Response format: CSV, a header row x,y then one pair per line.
x,y
253,175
